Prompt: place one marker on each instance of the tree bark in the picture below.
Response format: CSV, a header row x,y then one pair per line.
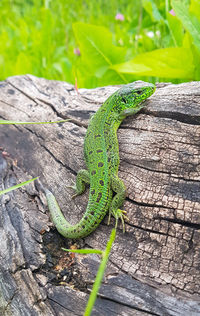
x,y
154,266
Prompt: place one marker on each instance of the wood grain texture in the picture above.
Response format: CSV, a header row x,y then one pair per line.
x,y
154,266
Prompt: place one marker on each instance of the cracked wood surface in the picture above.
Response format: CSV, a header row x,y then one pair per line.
x,y
154,266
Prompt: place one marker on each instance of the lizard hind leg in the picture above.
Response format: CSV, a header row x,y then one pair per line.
x,y
118,187
82,179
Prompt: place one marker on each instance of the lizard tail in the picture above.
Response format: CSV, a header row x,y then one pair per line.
x,y
67,230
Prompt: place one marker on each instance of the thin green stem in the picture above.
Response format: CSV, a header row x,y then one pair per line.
x,y
84,251
5,122
100,274
19,185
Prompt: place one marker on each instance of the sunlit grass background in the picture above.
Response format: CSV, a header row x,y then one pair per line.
x,y
101,42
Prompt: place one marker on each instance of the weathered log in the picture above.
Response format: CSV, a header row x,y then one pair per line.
x,y
154,267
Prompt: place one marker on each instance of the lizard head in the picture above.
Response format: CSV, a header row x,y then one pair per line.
x,y
128,99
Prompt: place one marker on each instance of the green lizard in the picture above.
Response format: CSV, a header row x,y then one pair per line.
x,y
101,153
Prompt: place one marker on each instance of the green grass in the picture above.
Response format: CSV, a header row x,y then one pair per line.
x,y
17,186
39,37
100,273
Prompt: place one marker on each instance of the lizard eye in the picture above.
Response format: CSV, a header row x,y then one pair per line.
x,y
139,92
124,100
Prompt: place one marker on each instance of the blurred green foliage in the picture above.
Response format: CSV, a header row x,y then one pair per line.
x,y
101,42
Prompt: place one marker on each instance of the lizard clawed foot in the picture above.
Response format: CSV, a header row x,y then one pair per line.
x,y
73,187
118,214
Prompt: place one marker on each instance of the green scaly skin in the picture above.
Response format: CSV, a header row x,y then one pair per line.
x,y
101,153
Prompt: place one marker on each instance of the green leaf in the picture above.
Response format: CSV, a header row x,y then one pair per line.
x,y
174,62
187,42
98,53
189,20
151,8
195,8
17,186
176,29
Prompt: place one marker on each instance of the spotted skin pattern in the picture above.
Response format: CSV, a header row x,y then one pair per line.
x,y
101,153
